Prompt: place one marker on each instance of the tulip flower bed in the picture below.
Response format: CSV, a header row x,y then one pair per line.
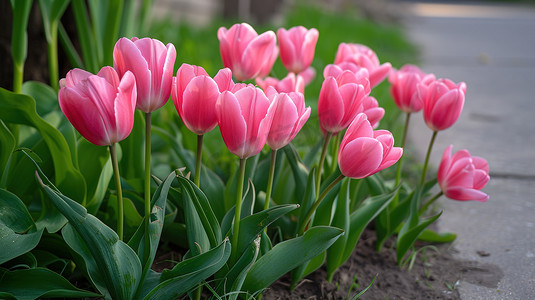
x,y
119,177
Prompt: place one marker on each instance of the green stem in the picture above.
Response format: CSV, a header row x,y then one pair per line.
x,y
18,75
335,154
394,202
322,159
427,156
198,162
120,209
428,203
147,183
237,211
53,56
270,178
304,225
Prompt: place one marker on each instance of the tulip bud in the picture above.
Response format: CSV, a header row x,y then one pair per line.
x,y
364,152
461,176
152,63
101,107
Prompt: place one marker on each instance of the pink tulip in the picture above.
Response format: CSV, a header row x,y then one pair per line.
x,y
443,102
245,52
152,63
373,112
404,87
289,117
363,57
101,107
461,176
244,119
364,152
290,83
297,46
195,95
340,100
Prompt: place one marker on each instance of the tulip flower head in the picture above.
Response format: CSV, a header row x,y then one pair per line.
x,y
244,118
364,152
443,102
341,98
152,64
195,95
462,176
404,85
290,83
289,117
297,46
101,107
349,56
246,53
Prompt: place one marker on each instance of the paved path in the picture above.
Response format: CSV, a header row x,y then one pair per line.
x,y
492,49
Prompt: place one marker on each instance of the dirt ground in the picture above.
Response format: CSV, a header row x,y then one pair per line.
x,y
434,275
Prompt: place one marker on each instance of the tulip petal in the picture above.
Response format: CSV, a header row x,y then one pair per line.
x,y
231,123
330,106
444,164
198,107
124,107
360,157
360,127
465,194
447,110
83,115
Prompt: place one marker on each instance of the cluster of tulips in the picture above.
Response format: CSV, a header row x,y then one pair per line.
x,y
326,227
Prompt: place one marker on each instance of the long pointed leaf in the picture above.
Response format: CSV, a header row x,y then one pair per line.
x,y
190,272
116,263
289,254
17,228
28,284
20,109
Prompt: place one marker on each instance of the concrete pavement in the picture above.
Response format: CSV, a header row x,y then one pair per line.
x,y
492,48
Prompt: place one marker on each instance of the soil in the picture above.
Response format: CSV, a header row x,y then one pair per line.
x,y
434,274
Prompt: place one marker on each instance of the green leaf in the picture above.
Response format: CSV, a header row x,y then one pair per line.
x,y
197,237
307,268
432,236
387,224
20,109
17,228
28,284
253,225
158,204
362,217
87,44
299,170
289,254
46,99
97,172
7,145
212,185
190,272
341,219
308,197
116,263
233,279
202,205
376,184
408,235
